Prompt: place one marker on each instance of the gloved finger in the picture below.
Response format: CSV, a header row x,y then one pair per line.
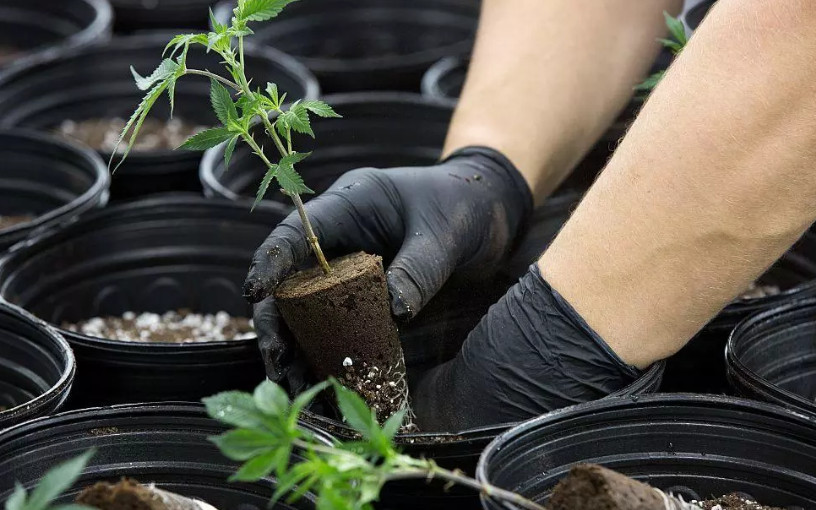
x,y
420,269
274,339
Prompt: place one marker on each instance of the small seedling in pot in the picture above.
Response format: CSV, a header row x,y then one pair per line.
x,y
675,43
343,476
330,308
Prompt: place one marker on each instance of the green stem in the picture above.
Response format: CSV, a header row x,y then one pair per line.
x,y
214,77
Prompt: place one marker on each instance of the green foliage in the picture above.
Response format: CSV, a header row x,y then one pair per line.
x,y
675,44
236,105
51,486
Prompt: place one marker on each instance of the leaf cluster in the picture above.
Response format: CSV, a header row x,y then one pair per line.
x,y
56,481
237,105
676,41
343,476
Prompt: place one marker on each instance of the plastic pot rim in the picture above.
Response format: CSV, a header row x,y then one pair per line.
x,y
466,435
737,369
79,204
213,187
430,80
158,39
66,377
54,237
610,403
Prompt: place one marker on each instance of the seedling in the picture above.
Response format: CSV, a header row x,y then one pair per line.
x,y
56,481
675,43
237,105
343,476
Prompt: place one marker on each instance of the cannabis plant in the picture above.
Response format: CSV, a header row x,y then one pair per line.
x,y
343,475
675,43
237,104
51,486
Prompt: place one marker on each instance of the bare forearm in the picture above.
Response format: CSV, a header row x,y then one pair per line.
x,y
713,183
548,77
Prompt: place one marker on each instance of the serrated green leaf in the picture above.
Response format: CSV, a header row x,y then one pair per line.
x,y
235,408
320,109
356,411
229,149
218,27
393,424
134,124
17,499
671,44
271,399
207,139
272,92
650,83
57,480
295,118
288,480
676,28
288,178
73,506
243,444
271,173
301,401
171,93
222,103
256,468
183,39
261,10
167,68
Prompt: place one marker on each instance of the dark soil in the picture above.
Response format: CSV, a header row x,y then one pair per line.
x,y
155,135
592,486
734,502
342,323
10,221
128,494
180,326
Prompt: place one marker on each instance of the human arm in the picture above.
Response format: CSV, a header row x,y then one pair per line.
x,y
712,184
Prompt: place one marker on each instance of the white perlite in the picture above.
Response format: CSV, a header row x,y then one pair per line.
x,y
168,327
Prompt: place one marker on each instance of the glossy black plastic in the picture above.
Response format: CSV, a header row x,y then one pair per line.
x,y
36,367
162,443
155,255
696,446
697,14
771,356
35,27
96,82
378,45
45,177
136,15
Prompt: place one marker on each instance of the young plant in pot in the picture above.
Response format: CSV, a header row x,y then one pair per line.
x,y
339,312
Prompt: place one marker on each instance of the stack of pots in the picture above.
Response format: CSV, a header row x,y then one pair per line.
x,y
366,45
96,83
155,255
180,15
36,27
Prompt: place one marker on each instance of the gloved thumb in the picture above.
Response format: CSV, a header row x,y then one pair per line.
x,y
416,274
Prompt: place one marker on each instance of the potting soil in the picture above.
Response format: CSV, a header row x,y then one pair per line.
x,y
171,327
733,502
154,135
10,221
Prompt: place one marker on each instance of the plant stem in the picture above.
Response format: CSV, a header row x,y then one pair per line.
x,y
214,77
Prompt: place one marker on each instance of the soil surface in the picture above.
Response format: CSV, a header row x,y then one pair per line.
x,y
10,221
128,494
734,502
343,324
180,326
155,135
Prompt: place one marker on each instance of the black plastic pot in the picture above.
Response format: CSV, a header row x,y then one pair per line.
x,y
696,14
772,356
454,450
96,82
135,15
162,443
41,26
794,273
153,255
694,445
48,178
36,367
379,45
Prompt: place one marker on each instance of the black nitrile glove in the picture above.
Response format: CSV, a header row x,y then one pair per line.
x,y
461,214
530,354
